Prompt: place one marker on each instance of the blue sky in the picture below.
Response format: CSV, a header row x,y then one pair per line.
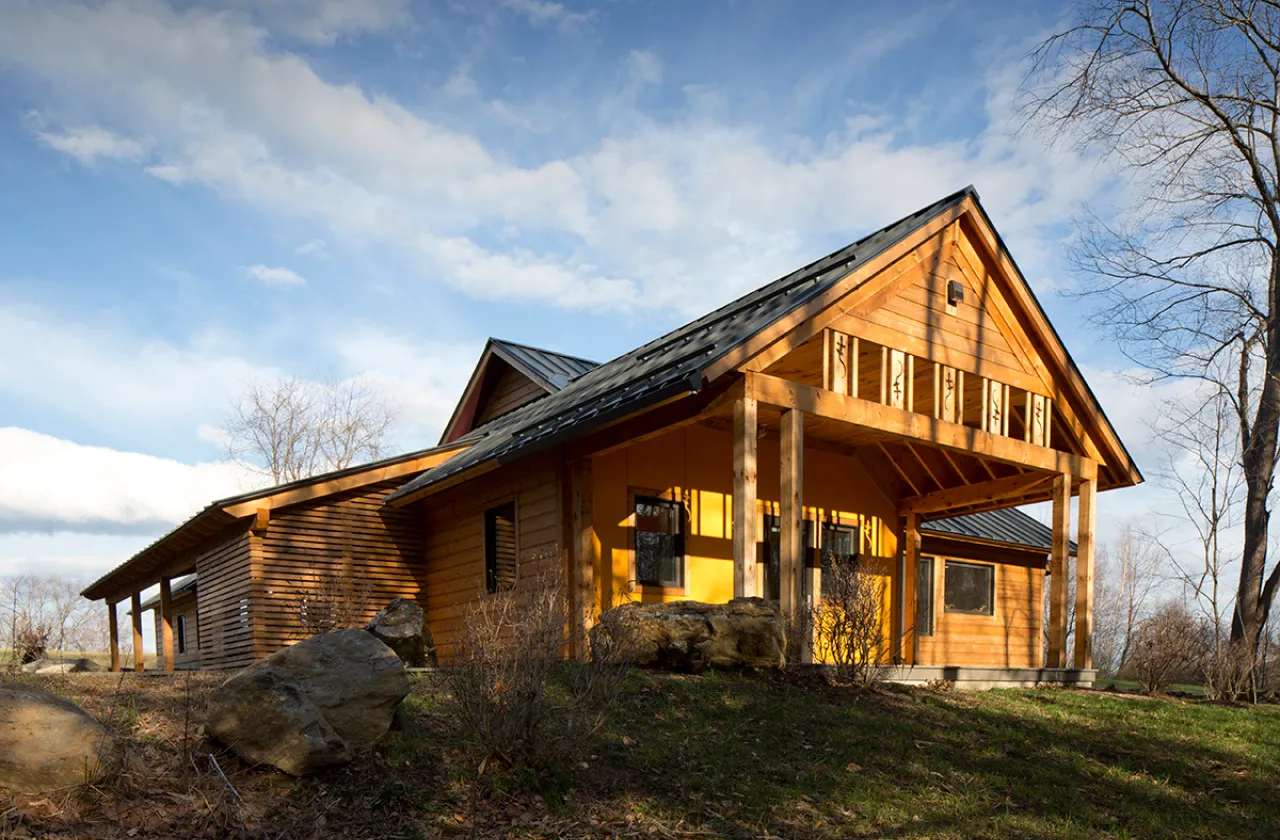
x,y
196,195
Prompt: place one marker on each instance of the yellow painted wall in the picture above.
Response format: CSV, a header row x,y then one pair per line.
x,y
696,464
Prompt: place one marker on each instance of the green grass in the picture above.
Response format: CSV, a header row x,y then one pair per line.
x,y
1133,686
753,756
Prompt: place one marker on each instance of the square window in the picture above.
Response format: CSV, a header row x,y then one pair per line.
x,y
659,542
500,547
969,588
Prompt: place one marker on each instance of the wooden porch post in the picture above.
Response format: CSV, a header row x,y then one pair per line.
x,y
166,623
586,549
1087,514
114,631
135,605
907,608
744,497
792,548
1058,571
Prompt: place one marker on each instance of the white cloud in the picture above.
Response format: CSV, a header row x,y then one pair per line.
x,y
317,247
89,143
50,484
322,22
540,12
461,85
644,66
276,276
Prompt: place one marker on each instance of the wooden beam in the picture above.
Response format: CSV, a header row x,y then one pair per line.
x,y
911,556
586,553
972,494
166,623
261,520
897,467
135,606
928,470
898,423
113,631
792,511
744,497
1058,571
1087,514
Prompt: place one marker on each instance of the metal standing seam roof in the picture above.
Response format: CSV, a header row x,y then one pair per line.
x,y
672,364
179,587
1009,526
552,370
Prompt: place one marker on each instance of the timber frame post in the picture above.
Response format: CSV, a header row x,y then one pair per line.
x,y
135,605
792,548
1085,527
1058,571
113,630
583,555
907,605
166,623
744,497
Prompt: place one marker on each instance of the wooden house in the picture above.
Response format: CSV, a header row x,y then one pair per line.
x,y
895,400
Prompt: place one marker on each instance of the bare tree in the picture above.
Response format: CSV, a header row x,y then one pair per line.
x,y
1168,648
294,428
39,615
1182,94
1127,574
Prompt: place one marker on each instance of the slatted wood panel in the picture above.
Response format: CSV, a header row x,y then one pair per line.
x,y
509,390
184,606
225,631
1010,638
351,537
454,521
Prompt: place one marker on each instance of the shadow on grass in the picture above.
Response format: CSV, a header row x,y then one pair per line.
x,y
745,754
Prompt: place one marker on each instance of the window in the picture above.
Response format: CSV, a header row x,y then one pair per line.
x,y
839,545
659,547
924,596
181,632
970,588
500,547
771,573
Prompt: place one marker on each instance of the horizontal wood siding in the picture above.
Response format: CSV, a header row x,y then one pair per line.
x,y
510,390
1010,638
224,593
351,538
454,551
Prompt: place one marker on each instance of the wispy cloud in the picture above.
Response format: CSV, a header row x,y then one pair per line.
x,y
542,12
316,247
89,143
276,276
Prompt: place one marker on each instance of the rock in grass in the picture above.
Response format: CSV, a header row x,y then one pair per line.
x,y
310,706
46,742
402,626
692,636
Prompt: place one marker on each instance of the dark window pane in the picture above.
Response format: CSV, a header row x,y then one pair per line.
x,y
180,634
838,547
969,588
659,529
500,547
772,587
924,596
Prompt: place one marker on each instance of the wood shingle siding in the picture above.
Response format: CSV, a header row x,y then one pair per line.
x,y
350,537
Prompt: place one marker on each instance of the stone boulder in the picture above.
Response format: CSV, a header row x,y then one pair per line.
x,y
310,706
46,742
692,636
402,626
68,666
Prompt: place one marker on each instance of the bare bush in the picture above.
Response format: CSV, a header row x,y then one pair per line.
x,y
39,615
1228,671
1168,647
331,600
848,623
522,702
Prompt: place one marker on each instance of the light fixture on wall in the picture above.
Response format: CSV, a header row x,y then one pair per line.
x,y
955,292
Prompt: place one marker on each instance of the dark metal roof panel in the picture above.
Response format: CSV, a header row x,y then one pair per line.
x,y
554,369
672,364
1009,526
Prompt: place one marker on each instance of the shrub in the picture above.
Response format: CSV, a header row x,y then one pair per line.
x,y
1228,671
1167,647
332,600
848,623
517,696
31,641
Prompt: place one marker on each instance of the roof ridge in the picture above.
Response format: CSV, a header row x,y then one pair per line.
x,y
495,340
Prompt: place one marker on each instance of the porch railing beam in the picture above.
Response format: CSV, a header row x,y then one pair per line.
x,y
970,495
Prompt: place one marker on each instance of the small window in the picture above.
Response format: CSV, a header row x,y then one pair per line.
x,y
839,546
659,548
924,596
970,588
180,631
500,547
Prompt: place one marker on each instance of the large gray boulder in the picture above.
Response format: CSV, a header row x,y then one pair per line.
x,y
402,626
46,742
692,636
310,706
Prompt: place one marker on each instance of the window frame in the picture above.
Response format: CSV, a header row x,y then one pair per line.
x,y
992,588
490,579
671,496
819,552
772,515
928,590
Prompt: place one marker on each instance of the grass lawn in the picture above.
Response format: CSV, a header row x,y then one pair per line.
x,y
726,755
